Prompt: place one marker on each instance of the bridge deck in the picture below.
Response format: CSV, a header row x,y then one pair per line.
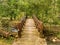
x,y
30,35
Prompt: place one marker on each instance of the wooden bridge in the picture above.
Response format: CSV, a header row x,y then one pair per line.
x,y
30,32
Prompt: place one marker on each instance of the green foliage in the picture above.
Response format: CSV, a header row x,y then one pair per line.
x,y
5,23
43,9
6,41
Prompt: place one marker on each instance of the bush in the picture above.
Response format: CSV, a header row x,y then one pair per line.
x,y
5,23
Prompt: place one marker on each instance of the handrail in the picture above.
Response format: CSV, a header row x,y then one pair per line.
x,y
39,24
20,25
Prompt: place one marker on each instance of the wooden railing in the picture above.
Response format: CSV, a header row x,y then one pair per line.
x,y
39,24
20,25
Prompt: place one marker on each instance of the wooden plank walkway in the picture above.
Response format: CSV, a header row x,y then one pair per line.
x,y
30,35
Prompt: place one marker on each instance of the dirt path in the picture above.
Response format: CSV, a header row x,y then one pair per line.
x,y
30,35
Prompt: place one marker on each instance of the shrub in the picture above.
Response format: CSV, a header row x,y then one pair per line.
x,y
5,23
